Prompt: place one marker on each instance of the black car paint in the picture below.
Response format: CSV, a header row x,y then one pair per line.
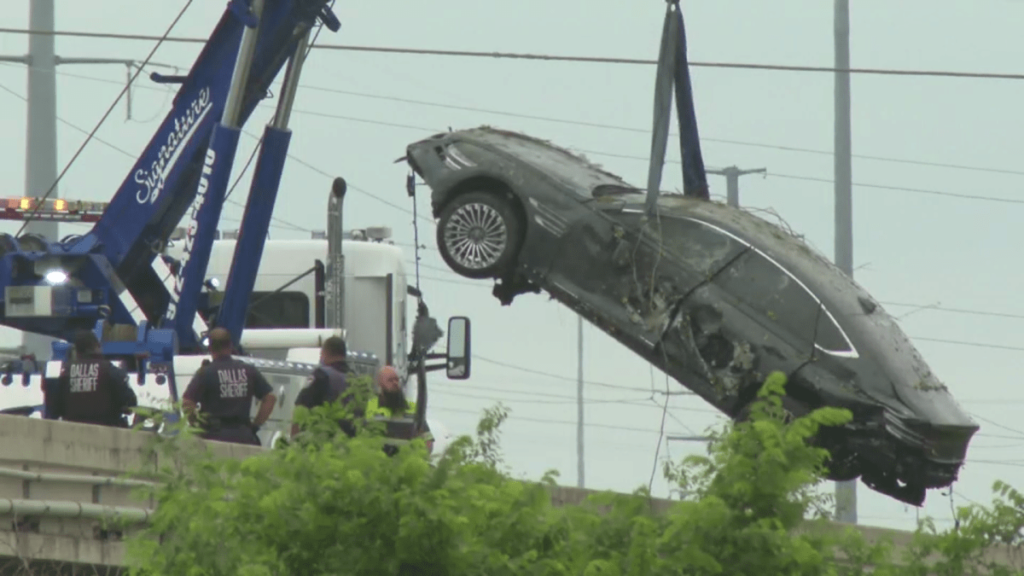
x,y
675,292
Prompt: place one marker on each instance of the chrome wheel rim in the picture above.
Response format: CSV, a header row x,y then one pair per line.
x,y
476,236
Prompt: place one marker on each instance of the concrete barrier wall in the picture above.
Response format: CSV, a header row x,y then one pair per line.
x,y
54,482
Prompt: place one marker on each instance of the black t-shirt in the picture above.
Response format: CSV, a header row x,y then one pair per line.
x,y
224,389
93,391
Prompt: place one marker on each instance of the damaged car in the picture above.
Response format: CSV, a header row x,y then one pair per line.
x,y
713,295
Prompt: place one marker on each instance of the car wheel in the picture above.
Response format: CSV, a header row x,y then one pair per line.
x,y
478,234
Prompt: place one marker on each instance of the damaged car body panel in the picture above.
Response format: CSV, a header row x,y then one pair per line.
x,y
713,295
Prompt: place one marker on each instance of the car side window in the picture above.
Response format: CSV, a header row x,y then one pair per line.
x,y
769,290
702,248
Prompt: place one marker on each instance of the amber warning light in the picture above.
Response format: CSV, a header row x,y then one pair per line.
x,y
57,209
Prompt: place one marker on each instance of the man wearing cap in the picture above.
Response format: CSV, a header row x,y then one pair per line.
x,y
90,389
329,382
223,391
398,413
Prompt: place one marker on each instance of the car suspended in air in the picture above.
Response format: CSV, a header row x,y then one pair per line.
x,y
711,294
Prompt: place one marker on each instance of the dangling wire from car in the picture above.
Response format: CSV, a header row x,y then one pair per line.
x,y
410,188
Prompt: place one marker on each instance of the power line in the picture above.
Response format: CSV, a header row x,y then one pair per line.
x,y
963,311
159,42
554,57
351,186
967,343
279,220
976,197
407,211
555,422
640,402
646,131
602,126
550,421
556,376
907,189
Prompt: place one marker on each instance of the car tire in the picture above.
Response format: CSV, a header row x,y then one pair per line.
x,y
479,234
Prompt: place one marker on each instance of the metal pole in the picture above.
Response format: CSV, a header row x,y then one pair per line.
x,y
846,492
335,297
732,187
732,181
579,403
240,76
41,136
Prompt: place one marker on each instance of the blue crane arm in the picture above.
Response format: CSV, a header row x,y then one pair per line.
x,y
161,188
109,272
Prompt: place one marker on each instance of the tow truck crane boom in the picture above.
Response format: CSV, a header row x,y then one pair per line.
x,y
113,275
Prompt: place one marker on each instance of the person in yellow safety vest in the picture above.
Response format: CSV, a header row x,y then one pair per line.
x,y
390,405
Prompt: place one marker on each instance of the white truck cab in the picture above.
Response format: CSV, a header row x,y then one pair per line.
x,y
290,285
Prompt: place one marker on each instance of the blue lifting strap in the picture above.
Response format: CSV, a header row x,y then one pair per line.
x,y
673,68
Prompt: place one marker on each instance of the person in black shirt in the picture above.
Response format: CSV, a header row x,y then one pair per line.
x,y
90,389
224,390
329,382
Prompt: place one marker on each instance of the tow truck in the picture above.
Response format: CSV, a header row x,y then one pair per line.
x,y
151,309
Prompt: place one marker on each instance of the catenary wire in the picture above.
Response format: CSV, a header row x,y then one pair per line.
x,y
551,57
160,40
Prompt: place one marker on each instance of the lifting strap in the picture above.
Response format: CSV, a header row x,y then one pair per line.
x,y
673,66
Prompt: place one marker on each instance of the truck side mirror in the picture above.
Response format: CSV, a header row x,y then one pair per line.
x,y
458,348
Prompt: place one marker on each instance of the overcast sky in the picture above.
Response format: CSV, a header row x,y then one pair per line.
x,y
942,264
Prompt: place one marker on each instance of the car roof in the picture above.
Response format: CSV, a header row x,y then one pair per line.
x,y
522,145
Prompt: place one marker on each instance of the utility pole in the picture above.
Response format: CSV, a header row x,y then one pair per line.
x,y
579,403
732,181
41,135
41,130
846,492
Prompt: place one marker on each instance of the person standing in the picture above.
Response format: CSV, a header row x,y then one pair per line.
x,y
222,392
398,413
329,383
90,389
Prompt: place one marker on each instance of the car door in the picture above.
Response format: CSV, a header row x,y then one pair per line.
x,y
620,268
591,270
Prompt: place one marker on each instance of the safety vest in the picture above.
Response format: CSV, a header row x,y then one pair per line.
x,y
377,412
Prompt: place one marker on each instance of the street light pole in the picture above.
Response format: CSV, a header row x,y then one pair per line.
x,y
41,132
846,492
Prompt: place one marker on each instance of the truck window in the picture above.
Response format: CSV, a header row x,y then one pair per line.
x,y
278,310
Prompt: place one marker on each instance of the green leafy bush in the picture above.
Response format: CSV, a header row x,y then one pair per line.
x,y
329,504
